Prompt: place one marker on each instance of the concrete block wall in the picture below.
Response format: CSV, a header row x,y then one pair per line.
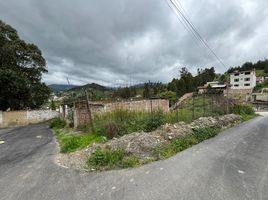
x,y
41,115
20,118
144,105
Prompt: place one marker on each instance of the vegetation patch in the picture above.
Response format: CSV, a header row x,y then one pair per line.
x,y
70,142
259,87
184,142
122,122
57,123
104,159
246,112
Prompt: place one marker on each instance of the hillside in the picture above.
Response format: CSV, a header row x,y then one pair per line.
x,y
60,87
93,86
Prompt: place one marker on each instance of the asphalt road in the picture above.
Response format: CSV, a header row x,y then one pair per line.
x,y
233,165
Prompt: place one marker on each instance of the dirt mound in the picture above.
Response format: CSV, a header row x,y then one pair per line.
x,y
215,122
142,145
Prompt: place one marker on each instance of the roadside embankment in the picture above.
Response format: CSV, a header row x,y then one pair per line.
x,y
143,147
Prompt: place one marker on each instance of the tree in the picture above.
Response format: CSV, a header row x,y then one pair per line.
x,y
52,105
171,96
266,69
21,69
146,91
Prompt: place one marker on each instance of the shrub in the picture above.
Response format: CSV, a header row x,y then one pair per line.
x,y
205,133
57,123
98,158
184,142
130,162
70,145
157,119
111,130
242,109
103,158
70,142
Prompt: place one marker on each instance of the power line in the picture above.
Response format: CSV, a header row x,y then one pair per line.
x,y
190,26
185,25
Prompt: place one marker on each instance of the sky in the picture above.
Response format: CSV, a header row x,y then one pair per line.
x,y
124,42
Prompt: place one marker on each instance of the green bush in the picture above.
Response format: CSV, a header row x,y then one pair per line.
x,y
157,119
107,159
242,109
128,162
103,158
184,142
202,134
72,142
57,123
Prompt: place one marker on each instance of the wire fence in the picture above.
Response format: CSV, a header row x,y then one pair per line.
x,y
202,105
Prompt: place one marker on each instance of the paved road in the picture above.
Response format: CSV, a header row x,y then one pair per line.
x,y
233,165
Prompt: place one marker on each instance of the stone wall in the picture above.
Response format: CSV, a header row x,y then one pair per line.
x,y
240,95
20,118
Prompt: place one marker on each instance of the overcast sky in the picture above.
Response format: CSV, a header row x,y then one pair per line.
x,y
131,41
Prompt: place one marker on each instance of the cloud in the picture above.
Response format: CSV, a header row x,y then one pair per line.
x,y
128,42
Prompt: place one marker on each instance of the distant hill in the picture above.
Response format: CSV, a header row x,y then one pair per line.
x,y
93,86
61,87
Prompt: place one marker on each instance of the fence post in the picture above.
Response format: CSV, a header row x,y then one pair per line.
x,y
89,112
212,109
193,106
177,114
204,110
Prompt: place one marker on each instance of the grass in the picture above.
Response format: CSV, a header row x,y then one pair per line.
x,y
70,142
57,123
260,72
122,122
259,87
184,142
103,159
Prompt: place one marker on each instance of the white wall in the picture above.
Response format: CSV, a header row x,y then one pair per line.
x,y
41,115
240,84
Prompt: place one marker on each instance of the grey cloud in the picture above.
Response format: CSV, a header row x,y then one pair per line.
x,y
134,41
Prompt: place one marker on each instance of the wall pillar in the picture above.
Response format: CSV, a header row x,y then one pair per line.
x,y
1,117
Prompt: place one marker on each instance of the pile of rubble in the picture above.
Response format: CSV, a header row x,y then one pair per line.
x,y
142,145
216,122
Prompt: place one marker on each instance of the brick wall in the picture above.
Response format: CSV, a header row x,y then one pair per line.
x,y
20,118
82,117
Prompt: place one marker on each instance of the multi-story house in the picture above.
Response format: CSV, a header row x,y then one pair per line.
x,y
243,80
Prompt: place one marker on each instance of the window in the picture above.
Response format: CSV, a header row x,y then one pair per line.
x,y
236,80
247,84
236,85
247,79
247,73
236,74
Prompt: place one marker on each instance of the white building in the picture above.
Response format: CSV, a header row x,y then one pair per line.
x,y
243,80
